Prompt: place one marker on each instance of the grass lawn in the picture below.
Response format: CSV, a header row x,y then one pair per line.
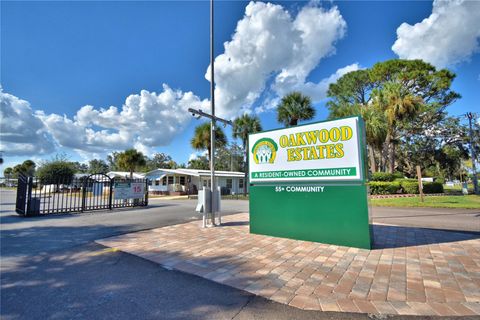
x,y
465,202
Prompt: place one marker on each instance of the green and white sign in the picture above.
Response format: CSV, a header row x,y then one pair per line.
x,y
308,183
323,151
128,190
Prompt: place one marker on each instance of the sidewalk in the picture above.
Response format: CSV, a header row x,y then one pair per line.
x,y
412,271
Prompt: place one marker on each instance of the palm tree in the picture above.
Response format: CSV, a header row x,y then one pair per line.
x,y
201,138
130,160
375,126
294,107
398,104
242,127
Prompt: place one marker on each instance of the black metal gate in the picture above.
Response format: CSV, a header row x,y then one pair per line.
x,y
20,204
79,194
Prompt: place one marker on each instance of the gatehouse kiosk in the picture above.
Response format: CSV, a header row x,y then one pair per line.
x,y
309,183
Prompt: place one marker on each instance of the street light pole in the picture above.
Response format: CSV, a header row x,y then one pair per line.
x,y
472,151
212,120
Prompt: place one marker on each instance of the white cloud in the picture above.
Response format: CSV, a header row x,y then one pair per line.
x,y
145,121
448,36
268,43
196,155
318,91
21,131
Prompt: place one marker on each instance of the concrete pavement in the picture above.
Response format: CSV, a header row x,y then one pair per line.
x,y
50,268
410,271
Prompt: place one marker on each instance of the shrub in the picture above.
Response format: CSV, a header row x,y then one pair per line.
x,y
56,172
440,180
382,176
432,187
398,175
409,186
384,187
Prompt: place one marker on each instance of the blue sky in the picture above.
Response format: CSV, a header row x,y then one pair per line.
x,y
58,57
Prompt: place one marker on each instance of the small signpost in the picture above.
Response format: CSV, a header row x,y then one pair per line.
x,y
308,182
420,182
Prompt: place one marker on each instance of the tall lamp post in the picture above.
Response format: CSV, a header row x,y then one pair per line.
x,y
212,120
199,113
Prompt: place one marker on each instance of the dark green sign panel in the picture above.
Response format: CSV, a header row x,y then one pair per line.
x,y
308,183
329,214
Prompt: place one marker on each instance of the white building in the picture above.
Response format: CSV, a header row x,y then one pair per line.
x,y
125,174
189,181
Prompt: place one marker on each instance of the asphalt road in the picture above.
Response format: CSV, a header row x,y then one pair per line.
x,y
51,269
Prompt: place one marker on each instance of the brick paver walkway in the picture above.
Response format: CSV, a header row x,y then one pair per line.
x,y
412,271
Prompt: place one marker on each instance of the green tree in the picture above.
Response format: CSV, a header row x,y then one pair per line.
x,y
160,160
26,168
8,174
130,160
80,167
229,158
242,127
97,166
294,107
201,138
398,105
56,172
8,171
112,160
199,163
408,96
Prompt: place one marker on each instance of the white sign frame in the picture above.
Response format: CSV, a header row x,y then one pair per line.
x,y
267,165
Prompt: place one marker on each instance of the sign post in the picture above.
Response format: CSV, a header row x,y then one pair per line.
x,y
420,183
309,183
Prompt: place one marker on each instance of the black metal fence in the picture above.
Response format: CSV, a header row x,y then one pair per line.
x,y
79,194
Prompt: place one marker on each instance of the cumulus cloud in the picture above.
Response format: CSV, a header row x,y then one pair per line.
x,y
269,43
21,131
146,120
196,155
448,36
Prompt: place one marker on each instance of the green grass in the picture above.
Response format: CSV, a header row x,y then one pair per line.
x,y
465,202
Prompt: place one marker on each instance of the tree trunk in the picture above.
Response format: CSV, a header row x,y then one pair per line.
x,y
371,155
293,122
391,167
388,155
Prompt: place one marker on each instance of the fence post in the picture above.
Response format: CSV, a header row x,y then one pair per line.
x,y
29,194
110,197
146,192
84,194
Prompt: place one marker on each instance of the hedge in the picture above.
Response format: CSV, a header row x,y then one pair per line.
x,y
432,187
409,187
382,176
383,187
405,186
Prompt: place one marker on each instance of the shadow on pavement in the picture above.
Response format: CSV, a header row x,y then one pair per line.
x,y
385,236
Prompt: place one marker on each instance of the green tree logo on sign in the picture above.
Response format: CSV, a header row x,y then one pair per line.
x,y
264,151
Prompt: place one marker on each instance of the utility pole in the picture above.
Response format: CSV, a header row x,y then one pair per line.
x,y
472,151
212,120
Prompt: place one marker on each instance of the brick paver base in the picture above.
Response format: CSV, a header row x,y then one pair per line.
x,y
411,270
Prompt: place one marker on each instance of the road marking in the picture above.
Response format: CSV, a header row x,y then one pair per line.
x,y
107,250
